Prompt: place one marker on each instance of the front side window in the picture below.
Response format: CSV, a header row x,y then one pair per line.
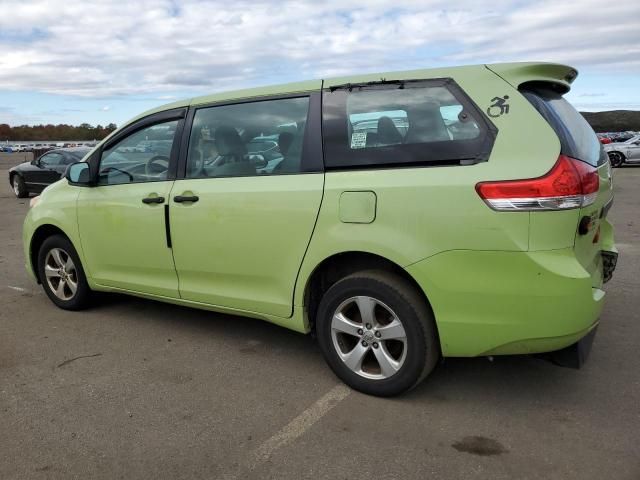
x,y
74,156
248,139
403,123
142,156
51,160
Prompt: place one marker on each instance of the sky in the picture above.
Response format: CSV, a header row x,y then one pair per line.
x,y
98,62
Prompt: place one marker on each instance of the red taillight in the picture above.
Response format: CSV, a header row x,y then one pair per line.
x,y
569,184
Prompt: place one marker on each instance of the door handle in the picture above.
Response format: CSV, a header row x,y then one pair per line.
x,y
153,200
186,198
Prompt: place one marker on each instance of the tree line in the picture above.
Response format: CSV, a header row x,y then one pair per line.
x,y
25,133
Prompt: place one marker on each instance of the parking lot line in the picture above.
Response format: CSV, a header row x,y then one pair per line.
x,y
295,428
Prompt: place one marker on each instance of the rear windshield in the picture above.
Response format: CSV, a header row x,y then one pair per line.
x,y
577,138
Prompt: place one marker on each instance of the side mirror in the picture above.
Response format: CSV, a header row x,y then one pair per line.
x,y
258,160
78,174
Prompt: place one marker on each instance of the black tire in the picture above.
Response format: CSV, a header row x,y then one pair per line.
x,y
19,187
399,295
616,159
82,296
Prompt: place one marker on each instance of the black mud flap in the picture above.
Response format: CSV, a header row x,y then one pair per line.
x,y
573,356
609,261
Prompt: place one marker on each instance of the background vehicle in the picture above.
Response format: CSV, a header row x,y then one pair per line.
x,y
624,152
34,176
451,212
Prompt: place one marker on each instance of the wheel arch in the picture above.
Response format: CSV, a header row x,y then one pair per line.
x,y
624,157
39,236
339,265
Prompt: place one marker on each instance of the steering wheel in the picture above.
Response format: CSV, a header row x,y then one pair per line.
x,y
157,165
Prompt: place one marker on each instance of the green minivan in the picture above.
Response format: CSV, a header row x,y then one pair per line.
x,y
401,217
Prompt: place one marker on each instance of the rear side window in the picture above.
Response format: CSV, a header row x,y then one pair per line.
x,y
577,138
246,139
403,124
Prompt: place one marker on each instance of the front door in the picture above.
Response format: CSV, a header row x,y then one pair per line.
x,y
633,150
49,169
241,221
122,219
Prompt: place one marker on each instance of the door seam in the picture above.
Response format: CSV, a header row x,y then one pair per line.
x,y
168,233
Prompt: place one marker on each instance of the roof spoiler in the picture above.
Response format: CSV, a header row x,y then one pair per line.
x,y
517,74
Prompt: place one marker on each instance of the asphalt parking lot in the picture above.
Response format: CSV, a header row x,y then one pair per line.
x,y
136,389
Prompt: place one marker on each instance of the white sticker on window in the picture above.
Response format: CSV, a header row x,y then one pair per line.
x,y
358,139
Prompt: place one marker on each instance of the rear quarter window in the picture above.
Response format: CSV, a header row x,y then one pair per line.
x,y
427,122
577,138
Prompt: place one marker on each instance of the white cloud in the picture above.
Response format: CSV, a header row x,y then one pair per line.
x,y
106,108
118,47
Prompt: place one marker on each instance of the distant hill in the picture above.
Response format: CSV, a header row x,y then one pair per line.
x,y
614,120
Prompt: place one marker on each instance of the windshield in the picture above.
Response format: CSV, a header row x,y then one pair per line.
x,y
79,154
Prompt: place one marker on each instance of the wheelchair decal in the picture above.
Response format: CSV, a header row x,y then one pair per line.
x,y
498,107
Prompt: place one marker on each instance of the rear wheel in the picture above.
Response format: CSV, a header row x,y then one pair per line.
x,y
19,187
616,159
62,275
377,333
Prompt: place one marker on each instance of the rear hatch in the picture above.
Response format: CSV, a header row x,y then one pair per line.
x,y
579,141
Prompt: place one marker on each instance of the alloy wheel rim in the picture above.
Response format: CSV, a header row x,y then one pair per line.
x,y
369,337
61,274
16,187
615,159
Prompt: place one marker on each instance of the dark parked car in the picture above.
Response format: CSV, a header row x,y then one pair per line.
x,y
34,176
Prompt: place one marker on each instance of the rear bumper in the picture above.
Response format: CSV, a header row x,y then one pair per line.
x,y
499,303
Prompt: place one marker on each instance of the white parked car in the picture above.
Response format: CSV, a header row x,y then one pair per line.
x,y
624,152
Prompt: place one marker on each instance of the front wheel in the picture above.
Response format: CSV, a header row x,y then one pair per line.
x,y
377,333
19,187
616,159
62,275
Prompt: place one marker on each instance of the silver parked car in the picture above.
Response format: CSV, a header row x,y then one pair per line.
x,y
624,152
